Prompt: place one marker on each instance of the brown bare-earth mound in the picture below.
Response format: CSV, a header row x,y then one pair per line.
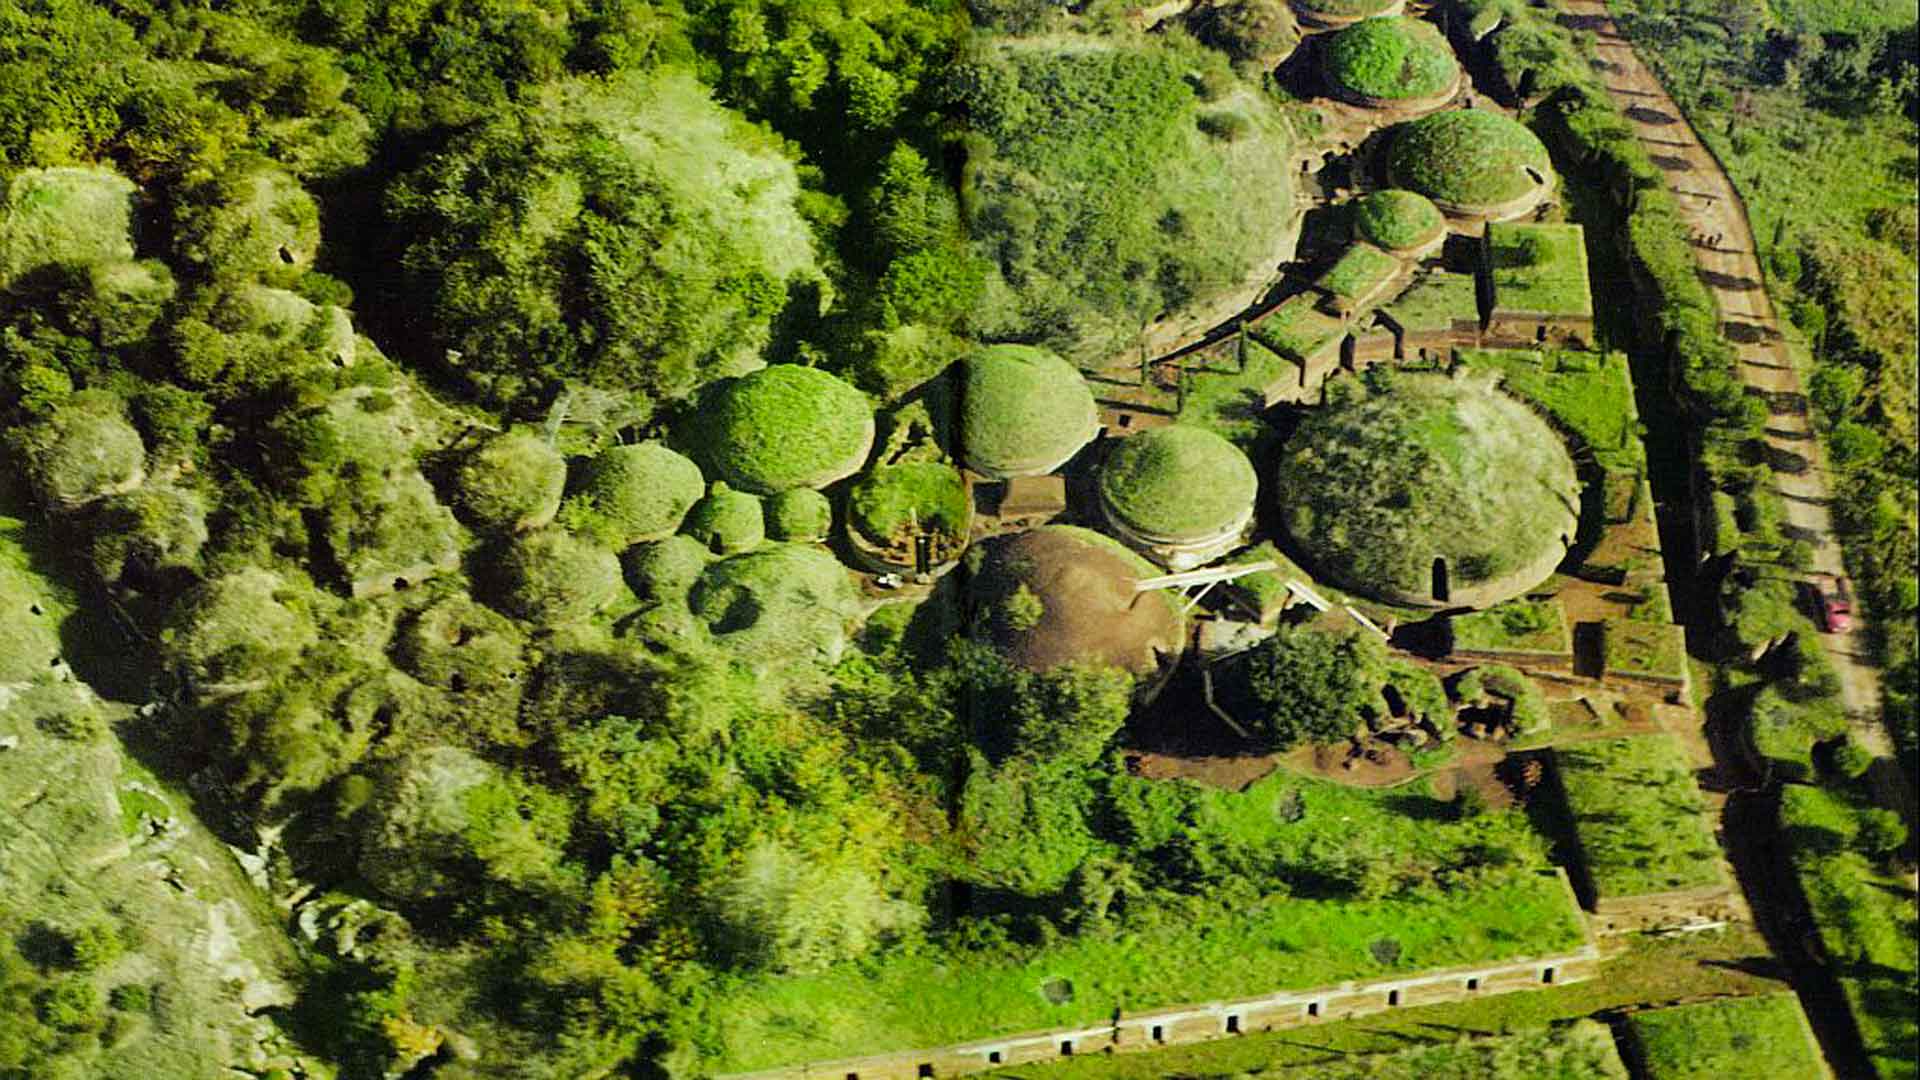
x,y
1087,609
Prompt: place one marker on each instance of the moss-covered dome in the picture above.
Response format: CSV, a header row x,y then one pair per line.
x,y
513,481
782,603
1388,60
643,491
1398,220
786,426
665,570
69,215
799,515
1437,492
1468,159
550,576
86,449
1060,595
1341,12
1023,411
1178,483
728,521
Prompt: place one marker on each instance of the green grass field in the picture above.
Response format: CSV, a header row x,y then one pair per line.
x,y
1539,269
1227,400
1435,301
926,1000
1638,647
1638,815
1646,969
1515,626
1742,1038
926,997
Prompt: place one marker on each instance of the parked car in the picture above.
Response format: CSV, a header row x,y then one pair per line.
x,y
1836,607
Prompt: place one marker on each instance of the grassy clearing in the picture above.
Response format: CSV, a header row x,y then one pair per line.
x,y
1638,647
1648,969
1435,302
1539,269
1590,393
1359,273
926,997
1743,1038
1638,816
908,1001
1297,330
1533,626
1228,401
1865,914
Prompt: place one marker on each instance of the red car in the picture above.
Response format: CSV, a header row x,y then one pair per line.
x,y
1836,607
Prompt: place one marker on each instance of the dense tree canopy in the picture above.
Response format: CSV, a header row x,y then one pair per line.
x,y
628,233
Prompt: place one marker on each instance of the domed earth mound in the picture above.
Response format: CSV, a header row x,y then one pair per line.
x,y
1469,161
1178,483
1398,220
1435,493
1023,411
1060,594
1391,60
786,426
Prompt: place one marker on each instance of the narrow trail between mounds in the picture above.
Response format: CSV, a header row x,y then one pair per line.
x,y
1711,205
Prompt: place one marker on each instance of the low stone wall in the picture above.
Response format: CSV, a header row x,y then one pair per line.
x,y
1212,1020
1668,910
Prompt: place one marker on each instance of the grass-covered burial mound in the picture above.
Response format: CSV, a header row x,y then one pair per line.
x,y
1178,487
786,426
1398,220
1023,411
892,505
1435,493
1469,161
1391,61
1111,182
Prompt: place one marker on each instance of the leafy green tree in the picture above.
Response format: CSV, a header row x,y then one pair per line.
x,y
631,234
1312,686
779,910
442,815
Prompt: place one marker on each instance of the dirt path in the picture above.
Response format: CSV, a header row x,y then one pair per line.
x,y
1731,268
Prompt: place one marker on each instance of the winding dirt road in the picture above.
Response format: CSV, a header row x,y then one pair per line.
x,y
1730,266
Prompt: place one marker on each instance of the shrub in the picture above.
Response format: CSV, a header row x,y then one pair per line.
x,y
581,237
438,815
512,482
551,577
1310,686
642,491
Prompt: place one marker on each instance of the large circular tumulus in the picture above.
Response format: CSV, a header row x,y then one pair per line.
x,y
1023,411
786,426
1393,62
1061,594
1436,493
1471,163
1180,494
